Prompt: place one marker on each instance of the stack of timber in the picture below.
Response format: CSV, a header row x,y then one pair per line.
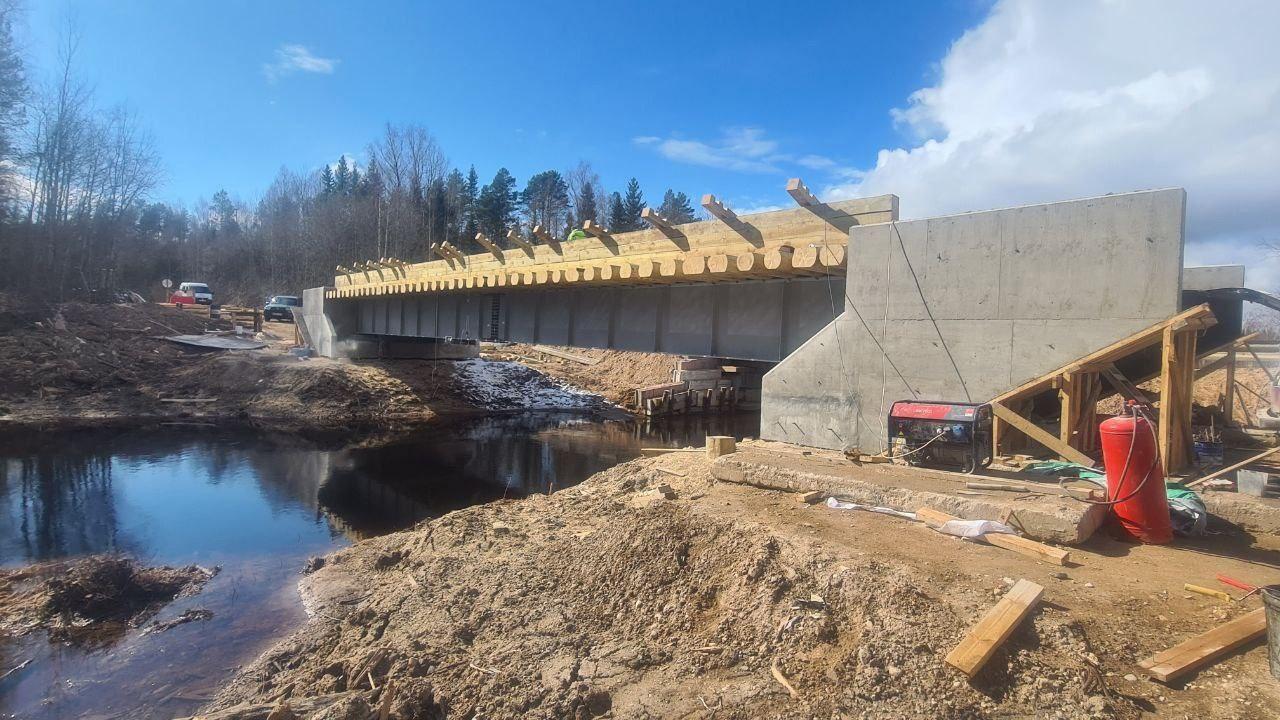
x,y
808,241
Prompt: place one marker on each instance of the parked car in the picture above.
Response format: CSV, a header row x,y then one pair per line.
x,y
189,293
279,307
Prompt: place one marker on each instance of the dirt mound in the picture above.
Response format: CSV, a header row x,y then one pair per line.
x,y
81,361
92,600
614,374
609,598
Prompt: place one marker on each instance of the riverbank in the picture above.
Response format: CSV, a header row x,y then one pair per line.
x,y
76,363
650,590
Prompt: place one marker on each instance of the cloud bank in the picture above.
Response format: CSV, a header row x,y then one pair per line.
x,y
1048,101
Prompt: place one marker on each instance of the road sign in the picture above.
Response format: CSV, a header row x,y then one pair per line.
x,y
166,283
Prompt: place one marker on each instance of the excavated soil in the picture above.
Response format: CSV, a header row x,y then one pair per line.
x,y
659,593
81,362
613,374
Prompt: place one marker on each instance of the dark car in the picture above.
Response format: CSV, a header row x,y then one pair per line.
x,y
281,307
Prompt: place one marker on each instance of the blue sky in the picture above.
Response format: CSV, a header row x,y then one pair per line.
x,y
750,93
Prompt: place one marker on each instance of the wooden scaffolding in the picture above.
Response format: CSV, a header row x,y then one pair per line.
x,y
1080,384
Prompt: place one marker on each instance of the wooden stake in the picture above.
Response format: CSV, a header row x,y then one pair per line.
x,y
994,628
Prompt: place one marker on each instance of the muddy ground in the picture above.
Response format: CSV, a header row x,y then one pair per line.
x,y
80,362
624,598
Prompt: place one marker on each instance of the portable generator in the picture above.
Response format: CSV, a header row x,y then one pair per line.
x,y
951,434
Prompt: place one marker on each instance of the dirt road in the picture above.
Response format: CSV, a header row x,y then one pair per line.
x,y
624,598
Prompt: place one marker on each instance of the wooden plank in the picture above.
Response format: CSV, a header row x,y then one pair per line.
x,y
582,359
1023,546
994,628
1204,648
1122,384
1036,433
1237,466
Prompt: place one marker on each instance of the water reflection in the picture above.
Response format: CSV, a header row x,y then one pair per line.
x,y
257,503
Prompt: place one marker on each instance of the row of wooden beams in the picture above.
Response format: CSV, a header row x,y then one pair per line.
x,y
799,228
719,267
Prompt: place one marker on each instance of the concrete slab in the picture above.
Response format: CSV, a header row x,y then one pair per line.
x,y
1050,517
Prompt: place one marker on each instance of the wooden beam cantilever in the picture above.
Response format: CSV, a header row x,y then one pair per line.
x,y
663,225
718,210
801,194
514,238
541,235
594,229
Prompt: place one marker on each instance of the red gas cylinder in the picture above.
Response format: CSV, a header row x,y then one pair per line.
x,y
1130,455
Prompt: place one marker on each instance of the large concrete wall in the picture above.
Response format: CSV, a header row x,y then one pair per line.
x,y
968,306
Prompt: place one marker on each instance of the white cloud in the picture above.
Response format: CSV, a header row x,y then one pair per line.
x,y
744,149
297,58
1046,101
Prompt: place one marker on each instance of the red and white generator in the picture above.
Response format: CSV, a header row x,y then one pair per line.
x,y
941,434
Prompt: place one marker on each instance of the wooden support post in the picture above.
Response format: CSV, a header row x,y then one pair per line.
x,y
994,628
1177,375
1068,418
1229,394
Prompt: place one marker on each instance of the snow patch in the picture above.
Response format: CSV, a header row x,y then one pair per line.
x,y
509,385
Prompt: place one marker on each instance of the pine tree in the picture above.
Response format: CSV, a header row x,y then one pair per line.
x,y
342,177
546,201
326,180
496,207
676,207
470,201
632,207
617,213
587,204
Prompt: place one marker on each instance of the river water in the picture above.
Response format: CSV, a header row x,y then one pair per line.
x,y
257,503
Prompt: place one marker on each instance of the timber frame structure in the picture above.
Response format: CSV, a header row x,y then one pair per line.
x,y
807,241
1080,386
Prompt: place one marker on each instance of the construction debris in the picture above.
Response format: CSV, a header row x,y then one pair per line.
x,y
1197,651
996,626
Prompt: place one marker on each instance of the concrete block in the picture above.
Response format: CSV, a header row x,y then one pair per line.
x,y
698,374
1212,277
718,445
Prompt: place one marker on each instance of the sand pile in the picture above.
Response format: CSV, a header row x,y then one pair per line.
x,y
620,598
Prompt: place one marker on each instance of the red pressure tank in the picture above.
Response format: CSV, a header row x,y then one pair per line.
x,y
1145,516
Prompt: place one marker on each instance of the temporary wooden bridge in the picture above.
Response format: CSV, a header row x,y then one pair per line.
x,y
806,241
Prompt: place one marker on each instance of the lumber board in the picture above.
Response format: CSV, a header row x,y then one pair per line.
x,y
1034,431
1023,546
1190,654
1231,468
564,355
994,628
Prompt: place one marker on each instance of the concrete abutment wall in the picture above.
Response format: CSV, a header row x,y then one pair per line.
x,y
965,307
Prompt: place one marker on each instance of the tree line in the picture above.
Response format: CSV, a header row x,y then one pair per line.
x,y
78,218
